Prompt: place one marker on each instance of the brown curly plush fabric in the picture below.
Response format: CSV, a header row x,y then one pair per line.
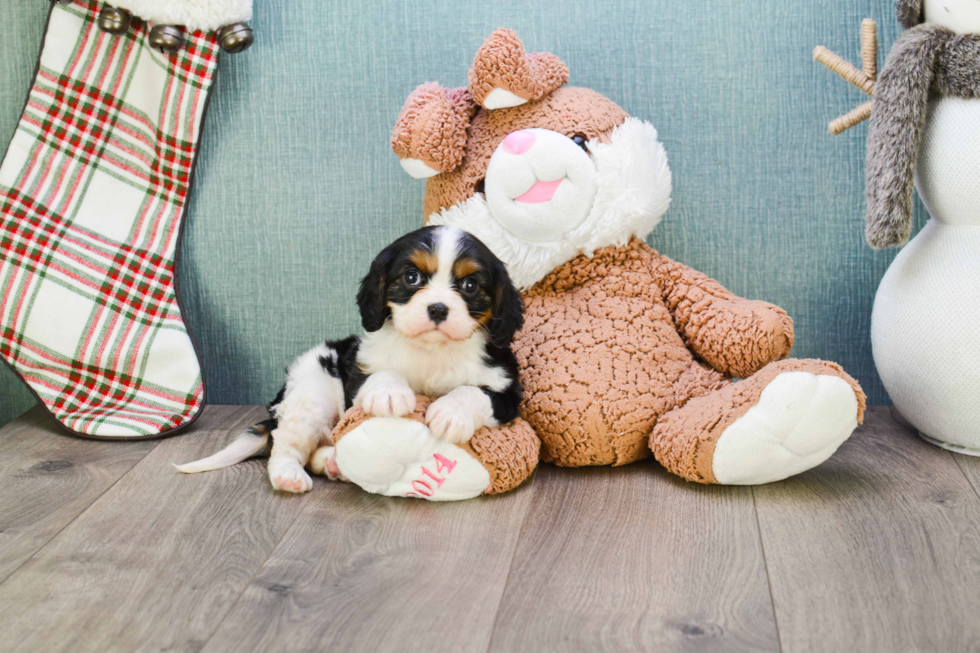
x,y
502,63
703,311
432,126
684,439
568,110
626,349
509,453
609,344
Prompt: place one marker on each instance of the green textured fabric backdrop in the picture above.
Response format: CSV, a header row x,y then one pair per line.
x,y
297,188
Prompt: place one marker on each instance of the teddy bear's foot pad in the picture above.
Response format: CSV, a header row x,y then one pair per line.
x,y
799,422
401,458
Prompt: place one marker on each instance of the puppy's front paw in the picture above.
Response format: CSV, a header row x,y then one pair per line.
x,y
385,394
451,419
287,475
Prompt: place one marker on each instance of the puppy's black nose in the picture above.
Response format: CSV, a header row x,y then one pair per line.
x,y
438,313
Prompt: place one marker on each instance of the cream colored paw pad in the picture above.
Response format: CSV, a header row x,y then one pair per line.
x,y
401,458
287,475
800,421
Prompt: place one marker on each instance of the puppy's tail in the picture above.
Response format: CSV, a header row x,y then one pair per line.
x,y
246,445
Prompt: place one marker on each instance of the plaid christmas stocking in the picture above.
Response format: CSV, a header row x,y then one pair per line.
x,y
92,195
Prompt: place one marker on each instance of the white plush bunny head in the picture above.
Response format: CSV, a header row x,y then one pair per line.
x,y
539,171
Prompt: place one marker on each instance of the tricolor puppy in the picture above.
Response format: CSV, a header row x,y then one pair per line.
x,y
439,313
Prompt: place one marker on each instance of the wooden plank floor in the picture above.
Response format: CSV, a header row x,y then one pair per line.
x,y
103,547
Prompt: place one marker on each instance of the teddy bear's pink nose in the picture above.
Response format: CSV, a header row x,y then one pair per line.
x,y
519,142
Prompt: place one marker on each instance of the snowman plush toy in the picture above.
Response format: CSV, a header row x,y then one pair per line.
x,y
925,130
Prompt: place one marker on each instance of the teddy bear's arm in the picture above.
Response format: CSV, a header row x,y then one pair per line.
x,y
733,335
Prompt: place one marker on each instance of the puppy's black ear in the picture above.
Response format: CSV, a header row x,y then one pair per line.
x,y
508,308
372,298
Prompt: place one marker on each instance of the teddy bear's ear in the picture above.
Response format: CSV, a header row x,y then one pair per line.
x,y
430,135
503,75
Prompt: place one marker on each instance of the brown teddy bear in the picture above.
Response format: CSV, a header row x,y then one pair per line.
x,y
624,352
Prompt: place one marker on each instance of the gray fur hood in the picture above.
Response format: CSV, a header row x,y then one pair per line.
x,y
909,13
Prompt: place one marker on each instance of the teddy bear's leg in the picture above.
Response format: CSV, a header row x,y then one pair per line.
x,y
510,453
401,457
787,418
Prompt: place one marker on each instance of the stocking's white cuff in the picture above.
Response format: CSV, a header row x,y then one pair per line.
x,y
192,14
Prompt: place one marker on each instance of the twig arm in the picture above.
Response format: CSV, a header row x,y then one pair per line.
x,y
869,48
840,67
851,118
864,79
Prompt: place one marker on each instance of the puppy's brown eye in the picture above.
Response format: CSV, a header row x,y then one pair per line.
x,y
469,286
480,185
413,278
580,140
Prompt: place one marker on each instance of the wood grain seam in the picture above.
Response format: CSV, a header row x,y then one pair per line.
x,y
903,423
80,513
260,566
258,570
765,565
513,556
959,466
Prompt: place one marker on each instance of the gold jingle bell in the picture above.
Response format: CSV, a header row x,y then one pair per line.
x,y
166,39
114,21
236,37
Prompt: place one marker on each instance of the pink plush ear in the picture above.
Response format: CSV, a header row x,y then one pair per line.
x,y
430,135
503,75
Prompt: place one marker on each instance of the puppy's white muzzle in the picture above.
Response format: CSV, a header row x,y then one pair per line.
x,y
412,320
